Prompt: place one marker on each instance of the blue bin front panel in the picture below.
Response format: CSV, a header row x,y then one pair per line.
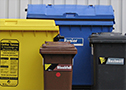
x,y
82,64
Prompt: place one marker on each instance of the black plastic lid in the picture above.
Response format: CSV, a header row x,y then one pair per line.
x,y
107,37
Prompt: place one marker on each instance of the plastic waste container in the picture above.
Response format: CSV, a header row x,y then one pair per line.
x,y
76,23
58,65
20,60
109,61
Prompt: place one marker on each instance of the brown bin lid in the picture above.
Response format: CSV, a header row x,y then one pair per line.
x,y
58,48
52,43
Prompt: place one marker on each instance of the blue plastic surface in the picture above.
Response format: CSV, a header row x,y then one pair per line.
x,y
84,22
76,23
70,11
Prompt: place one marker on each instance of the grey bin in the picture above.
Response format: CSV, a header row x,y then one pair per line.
x,y
109,54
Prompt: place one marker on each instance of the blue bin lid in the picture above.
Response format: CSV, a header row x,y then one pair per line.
x,y
72,12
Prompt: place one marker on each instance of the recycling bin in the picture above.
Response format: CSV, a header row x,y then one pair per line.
x,y
109,51
76,23
58,65
20,60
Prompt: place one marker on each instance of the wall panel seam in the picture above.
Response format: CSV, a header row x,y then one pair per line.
x,y
121,16
7,8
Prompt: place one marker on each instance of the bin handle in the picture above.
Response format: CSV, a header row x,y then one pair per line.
x,y
58,37
43,62
73,62
69,14
11,22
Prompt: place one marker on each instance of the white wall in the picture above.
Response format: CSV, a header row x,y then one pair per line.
x,y
16,8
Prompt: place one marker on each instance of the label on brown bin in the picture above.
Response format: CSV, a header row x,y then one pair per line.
x,y
58,67
9,62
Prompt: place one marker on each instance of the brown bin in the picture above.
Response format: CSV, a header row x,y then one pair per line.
x,y
58,65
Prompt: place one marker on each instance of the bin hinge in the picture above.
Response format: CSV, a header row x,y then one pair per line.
x,y
58,37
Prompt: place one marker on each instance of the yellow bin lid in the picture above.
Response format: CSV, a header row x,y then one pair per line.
x,y
28,24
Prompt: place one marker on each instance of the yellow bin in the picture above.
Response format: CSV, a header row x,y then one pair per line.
x,y
20,61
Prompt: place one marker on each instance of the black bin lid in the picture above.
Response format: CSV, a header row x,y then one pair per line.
x,y
107,37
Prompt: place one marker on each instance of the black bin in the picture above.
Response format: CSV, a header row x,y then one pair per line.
x,y
109,54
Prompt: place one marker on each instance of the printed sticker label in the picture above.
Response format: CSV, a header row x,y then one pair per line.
x,y
9,62
115,61
75,41
111,61
58,67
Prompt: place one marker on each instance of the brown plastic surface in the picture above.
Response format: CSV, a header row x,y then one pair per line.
x,y
58,53
58,48
53,43
61,58
51,82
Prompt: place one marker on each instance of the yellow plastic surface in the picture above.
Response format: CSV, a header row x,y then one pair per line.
x,y
30,34
28,24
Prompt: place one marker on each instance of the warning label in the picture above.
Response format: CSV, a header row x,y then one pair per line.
x,y
9,62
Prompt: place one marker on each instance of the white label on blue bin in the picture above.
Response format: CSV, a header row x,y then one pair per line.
x,y
75,41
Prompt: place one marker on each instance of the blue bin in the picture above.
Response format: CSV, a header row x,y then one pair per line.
x,y
76,23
